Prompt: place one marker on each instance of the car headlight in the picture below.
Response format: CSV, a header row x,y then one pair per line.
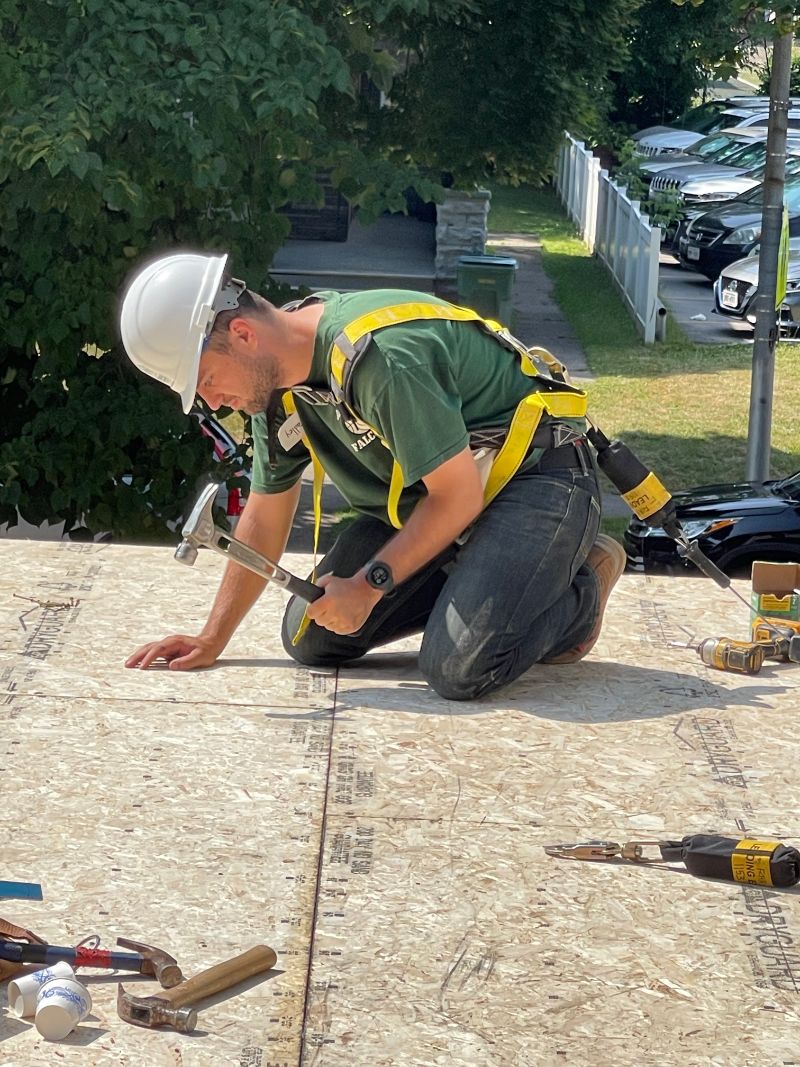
x,y
703,527
692,529
699,198
745,235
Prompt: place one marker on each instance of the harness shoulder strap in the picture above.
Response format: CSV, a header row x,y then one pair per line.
x,y
556,395
290,408
354,339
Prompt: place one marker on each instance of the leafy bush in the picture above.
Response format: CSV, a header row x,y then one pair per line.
x,y
666,209
130,127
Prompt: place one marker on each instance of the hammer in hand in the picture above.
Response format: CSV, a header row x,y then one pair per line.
x,y
172,1007
200,531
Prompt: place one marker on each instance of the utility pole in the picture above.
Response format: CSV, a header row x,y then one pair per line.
x,y
766,329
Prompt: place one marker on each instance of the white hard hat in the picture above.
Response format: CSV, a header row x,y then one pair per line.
x,y
167,314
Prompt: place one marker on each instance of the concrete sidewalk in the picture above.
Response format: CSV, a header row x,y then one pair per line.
x,y
538,319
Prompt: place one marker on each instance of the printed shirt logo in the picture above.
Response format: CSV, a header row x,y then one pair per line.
x,y
362,442
366,434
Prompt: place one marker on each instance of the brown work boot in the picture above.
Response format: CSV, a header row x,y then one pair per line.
x,y
607,560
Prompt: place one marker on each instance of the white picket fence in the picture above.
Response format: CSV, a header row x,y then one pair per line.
x,y
615,229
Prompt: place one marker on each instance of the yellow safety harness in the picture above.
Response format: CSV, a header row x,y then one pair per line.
x,y
555,397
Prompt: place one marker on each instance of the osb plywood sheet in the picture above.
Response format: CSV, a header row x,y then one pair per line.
x,y
493,953
388,843
88,607
189,826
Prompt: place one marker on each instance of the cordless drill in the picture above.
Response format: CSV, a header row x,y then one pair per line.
x,y
726,654
747,657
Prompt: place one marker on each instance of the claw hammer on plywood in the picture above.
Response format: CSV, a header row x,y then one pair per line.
x,y
173,1006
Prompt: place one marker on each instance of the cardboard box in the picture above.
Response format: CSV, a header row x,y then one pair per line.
x,y
773,593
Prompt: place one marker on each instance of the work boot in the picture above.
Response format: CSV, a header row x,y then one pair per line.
x,y
607,560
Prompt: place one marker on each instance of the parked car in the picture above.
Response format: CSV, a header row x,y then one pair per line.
x,y
230,500
708,194
736,287
679,140
715,239
705,193
734,524
703,117
715,148
748,154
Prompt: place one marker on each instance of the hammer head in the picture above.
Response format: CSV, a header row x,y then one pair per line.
x,y
198,530
154,1011
155,962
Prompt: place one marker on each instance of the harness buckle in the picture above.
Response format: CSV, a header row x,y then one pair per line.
x,y
565,435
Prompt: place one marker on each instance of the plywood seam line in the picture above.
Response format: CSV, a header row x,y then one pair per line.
x,y
318,884
291,710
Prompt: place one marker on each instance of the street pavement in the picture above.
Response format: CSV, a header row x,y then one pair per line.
x,y
689,297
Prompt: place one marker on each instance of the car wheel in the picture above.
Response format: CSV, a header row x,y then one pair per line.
x,y
739,564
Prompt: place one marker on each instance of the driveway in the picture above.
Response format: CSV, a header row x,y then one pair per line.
x,y
689,298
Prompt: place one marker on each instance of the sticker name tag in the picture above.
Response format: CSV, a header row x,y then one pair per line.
x,y
291,431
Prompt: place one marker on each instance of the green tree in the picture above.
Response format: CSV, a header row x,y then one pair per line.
x,y
490,92
794,81
674,51
132,126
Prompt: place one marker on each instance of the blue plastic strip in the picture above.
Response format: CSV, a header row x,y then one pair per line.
x,y
21,890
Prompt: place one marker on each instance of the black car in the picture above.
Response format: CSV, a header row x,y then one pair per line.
x,y
713,240
734,524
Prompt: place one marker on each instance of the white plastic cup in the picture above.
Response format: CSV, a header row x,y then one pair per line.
x,y
23,991
61,1004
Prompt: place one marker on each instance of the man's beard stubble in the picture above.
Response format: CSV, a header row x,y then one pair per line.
x,y
265,383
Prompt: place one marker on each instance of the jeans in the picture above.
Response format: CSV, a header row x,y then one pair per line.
x,y
515,593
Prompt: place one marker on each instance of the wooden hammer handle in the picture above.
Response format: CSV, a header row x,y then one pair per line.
x,y
222,976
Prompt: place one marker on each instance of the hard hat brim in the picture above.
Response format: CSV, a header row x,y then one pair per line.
x,y
191,367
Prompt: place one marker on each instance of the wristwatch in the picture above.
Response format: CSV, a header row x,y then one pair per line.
x,y
379,575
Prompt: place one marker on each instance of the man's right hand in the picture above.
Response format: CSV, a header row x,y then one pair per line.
x,y
180,651
263,525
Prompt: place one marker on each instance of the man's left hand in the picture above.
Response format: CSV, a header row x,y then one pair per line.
x,y
346,606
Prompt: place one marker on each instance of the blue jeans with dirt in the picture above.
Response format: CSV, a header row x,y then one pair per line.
x,y
516,592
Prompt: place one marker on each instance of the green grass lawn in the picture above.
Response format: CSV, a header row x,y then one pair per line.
x,y
682,407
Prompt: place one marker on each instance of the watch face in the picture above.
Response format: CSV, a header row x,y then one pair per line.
x,y
379,575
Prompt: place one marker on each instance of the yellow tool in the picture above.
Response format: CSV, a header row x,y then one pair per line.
x,y
747,657
726,654
765,628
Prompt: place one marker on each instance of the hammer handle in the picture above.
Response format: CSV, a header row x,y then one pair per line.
x,y
305,590
46,955
222,976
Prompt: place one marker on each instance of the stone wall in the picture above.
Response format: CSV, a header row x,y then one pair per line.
x,y
461,228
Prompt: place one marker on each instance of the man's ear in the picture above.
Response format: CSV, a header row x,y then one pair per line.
x,y
241,332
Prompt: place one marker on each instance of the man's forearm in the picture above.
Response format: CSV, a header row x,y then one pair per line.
x,y
452,503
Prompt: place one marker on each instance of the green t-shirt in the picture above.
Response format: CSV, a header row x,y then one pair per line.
x,y
422,386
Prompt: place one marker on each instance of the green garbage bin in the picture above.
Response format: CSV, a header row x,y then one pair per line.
x,y
486,284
